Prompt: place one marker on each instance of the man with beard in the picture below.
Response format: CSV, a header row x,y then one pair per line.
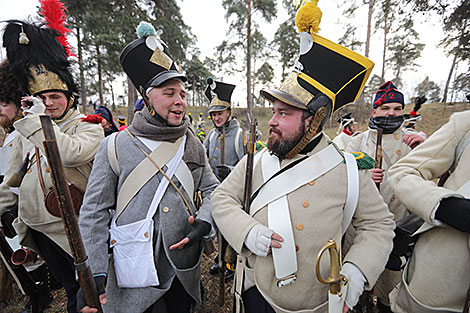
x,y
387,114
40,64
300,187
152,171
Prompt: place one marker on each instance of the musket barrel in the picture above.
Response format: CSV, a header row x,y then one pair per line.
x,y
69,217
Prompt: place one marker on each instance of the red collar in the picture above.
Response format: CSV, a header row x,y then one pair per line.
x,y
347,132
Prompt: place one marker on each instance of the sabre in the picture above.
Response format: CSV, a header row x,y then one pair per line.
x,y
338,283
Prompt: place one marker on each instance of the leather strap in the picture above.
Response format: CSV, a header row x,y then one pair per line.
x,y
41,179
144,172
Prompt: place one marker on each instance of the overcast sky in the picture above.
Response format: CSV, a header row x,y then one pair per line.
x,y
207,22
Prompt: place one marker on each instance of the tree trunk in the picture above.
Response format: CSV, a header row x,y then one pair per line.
x,y
454,62
82,73
386,28
113,105
249,100
100,77
131,100
369,22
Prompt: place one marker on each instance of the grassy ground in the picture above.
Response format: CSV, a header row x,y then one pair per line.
x,y
434,116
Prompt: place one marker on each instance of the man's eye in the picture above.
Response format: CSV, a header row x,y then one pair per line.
x,y
283,114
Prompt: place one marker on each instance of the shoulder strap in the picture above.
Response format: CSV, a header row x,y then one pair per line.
x,y
352,196
112,156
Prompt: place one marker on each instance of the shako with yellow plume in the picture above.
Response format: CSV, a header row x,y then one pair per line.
x,y
326,77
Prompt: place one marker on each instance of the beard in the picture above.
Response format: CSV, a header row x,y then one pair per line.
x,y
282,145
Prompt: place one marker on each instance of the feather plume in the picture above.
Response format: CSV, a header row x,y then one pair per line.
x,y
53,12
308,17
145,29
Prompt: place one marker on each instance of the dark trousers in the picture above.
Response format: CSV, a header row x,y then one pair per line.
x,y
254,302
176,299
61,265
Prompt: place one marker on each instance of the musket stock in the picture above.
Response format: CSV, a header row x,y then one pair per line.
x,y
69,217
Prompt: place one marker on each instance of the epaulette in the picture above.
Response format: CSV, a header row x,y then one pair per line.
x,y
364,161
92,118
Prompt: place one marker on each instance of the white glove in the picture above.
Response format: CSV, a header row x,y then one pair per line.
x,y
356,282
37,108
258,240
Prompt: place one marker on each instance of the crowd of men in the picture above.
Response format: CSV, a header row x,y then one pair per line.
x,y
154,196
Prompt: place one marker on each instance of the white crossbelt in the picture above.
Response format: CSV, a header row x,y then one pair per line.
x,y
274,195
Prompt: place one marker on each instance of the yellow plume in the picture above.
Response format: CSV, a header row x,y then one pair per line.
x,y
308,17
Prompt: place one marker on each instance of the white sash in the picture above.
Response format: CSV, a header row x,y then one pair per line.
x,y
295,177
274,195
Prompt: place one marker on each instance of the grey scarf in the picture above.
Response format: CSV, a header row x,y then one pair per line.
x,y
156,128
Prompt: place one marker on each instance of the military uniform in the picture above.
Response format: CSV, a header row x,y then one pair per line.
x,y
316,211
78,142
437,276
234,148
343,139
171,221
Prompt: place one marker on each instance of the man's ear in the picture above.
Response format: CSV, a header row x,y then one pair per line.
x,y
307,122
374,111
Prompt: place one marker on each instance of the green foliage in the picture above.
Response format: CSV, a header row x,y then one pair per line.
x,y
429,89
287,45
462,84
197,72
265,73
371,88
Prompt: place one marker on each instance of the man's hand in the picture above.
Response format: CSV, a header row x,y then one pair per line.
x,y
356,282
260,240
412,140
37,106
223,171
377,175
199,229
99,282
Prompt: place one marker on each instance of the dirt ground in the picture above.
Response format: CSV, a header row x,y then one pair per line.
x,y
210,300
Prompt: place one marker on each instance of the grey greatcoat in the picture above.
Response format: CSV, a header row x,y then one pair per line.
x,y
233,145
171,221
437,276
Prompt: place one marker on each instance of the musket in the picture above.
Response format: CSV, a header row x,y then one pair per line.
x,y
69,217
220,238
378,152
337,282
20,274
249,167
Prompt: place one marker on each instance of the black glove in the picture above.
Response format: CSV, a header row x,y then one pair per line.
x,y
100,282
394,263
223,171
199,229
455,212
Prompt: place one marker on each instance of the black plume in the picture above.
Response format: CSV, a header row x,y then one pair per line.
x,y
418,103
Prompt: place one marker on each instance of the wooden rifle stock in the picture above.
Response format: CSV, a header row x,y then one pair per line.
x,y
249,167
378,152
69,217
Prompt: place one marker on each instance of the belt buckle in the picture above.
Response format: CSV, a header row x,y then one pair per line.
x,y
286,280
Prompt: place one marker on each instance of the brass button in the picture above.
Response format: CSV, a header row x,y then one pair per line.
x,y
113,242
312,183
393,198
215,158
146,234
300,226
297,248
398,152
305,203
216,148
48,170
166,209
397,136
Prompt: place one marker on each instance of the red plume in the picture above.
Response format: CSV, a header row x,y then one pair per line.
x,y
53,12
